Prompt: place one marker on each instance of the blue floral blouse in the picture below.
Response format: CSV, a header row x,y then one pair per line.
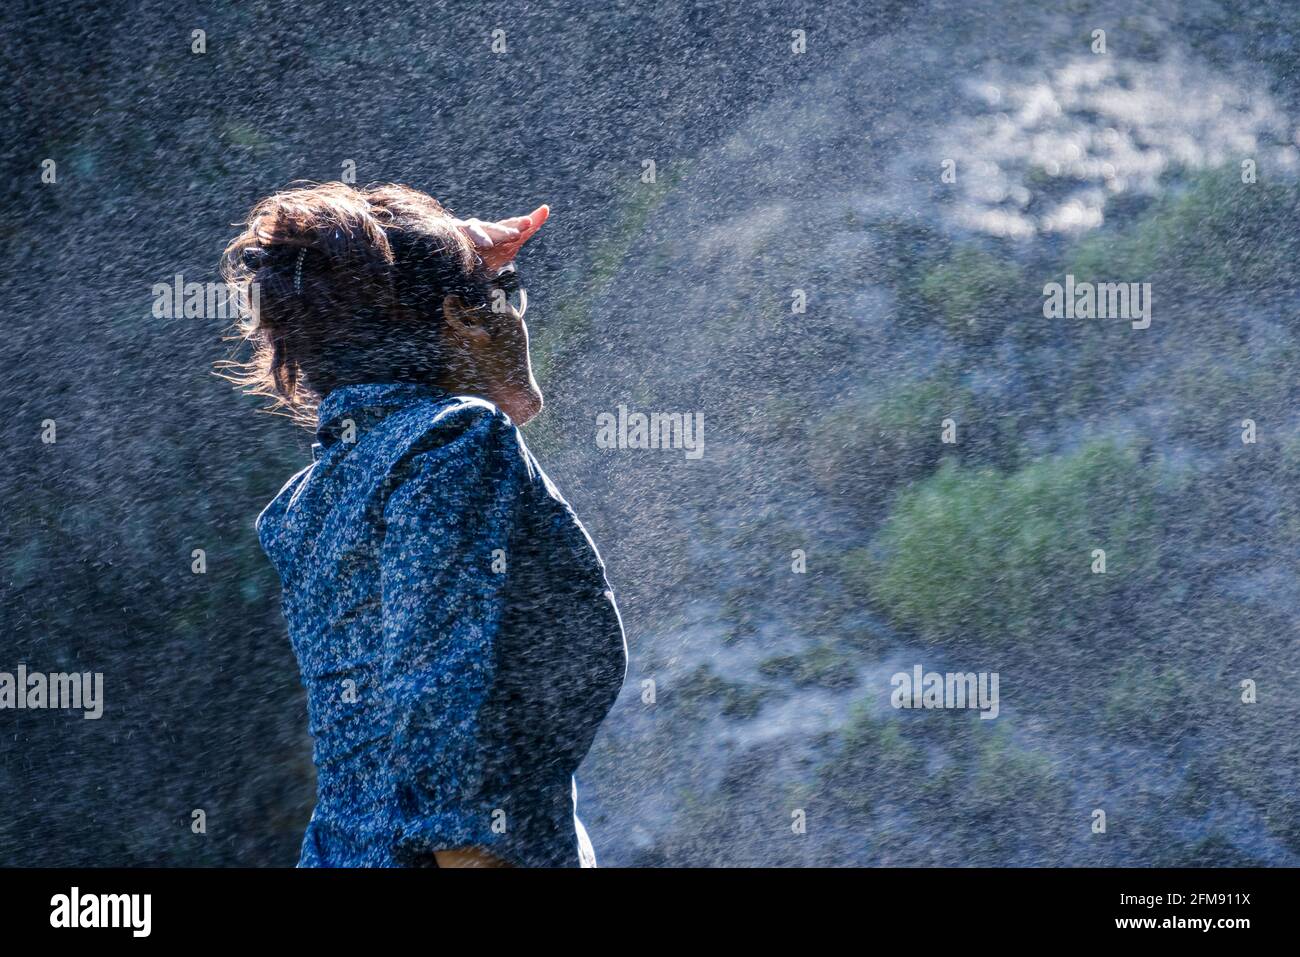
x,y
455,631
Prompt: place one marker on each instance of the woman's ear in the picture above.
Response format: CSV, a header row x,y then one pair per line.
x,y
464,322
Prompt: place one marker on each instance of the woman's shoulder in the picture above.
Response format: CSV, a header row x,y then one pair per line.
x,y
465,423
459,437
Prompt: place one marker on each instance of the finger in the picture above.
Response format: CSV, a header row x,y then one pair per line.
x,y
535,221
504,251
532,223
500,232
529,224
478,235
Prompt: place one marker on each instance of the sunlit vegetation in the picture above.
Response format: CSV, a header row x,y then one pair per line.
x,y
1010,555
971,292
1215,234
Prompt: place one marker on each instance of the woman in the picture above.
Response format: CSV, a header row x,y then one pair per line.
x,y
452,621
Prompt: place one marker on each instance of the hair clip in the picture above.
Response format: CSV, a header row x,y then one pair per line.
x,y
297,272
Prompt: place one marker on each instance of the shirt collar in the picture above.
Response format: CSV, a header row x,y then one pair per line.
x,y
365,404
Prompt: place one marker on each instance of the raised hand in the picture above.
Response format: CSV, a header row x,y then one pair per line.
x,y
499,242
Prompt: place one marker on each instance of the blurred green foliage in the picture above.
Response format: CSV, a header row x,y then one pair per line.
x,y
866,449
971,291
1211,233
704,688
821,665
1009,555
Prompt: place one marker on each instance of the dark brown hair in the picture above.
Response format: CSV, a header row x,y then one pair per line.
x,y
344,285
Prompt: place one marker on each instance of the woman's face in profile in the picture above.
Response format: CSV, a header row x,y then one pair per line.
x,y
519,395
485,348
504,372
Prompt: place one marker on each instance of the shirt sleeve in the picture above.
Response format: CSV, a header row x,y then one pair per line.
x,y
443,588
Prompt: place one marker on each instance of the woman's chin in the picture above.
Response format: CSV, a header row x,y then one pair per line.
x,y
534,407
523,408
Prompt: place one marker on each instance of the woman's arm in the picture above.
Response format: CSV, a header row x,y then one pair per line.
x,y
455,503
468,857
